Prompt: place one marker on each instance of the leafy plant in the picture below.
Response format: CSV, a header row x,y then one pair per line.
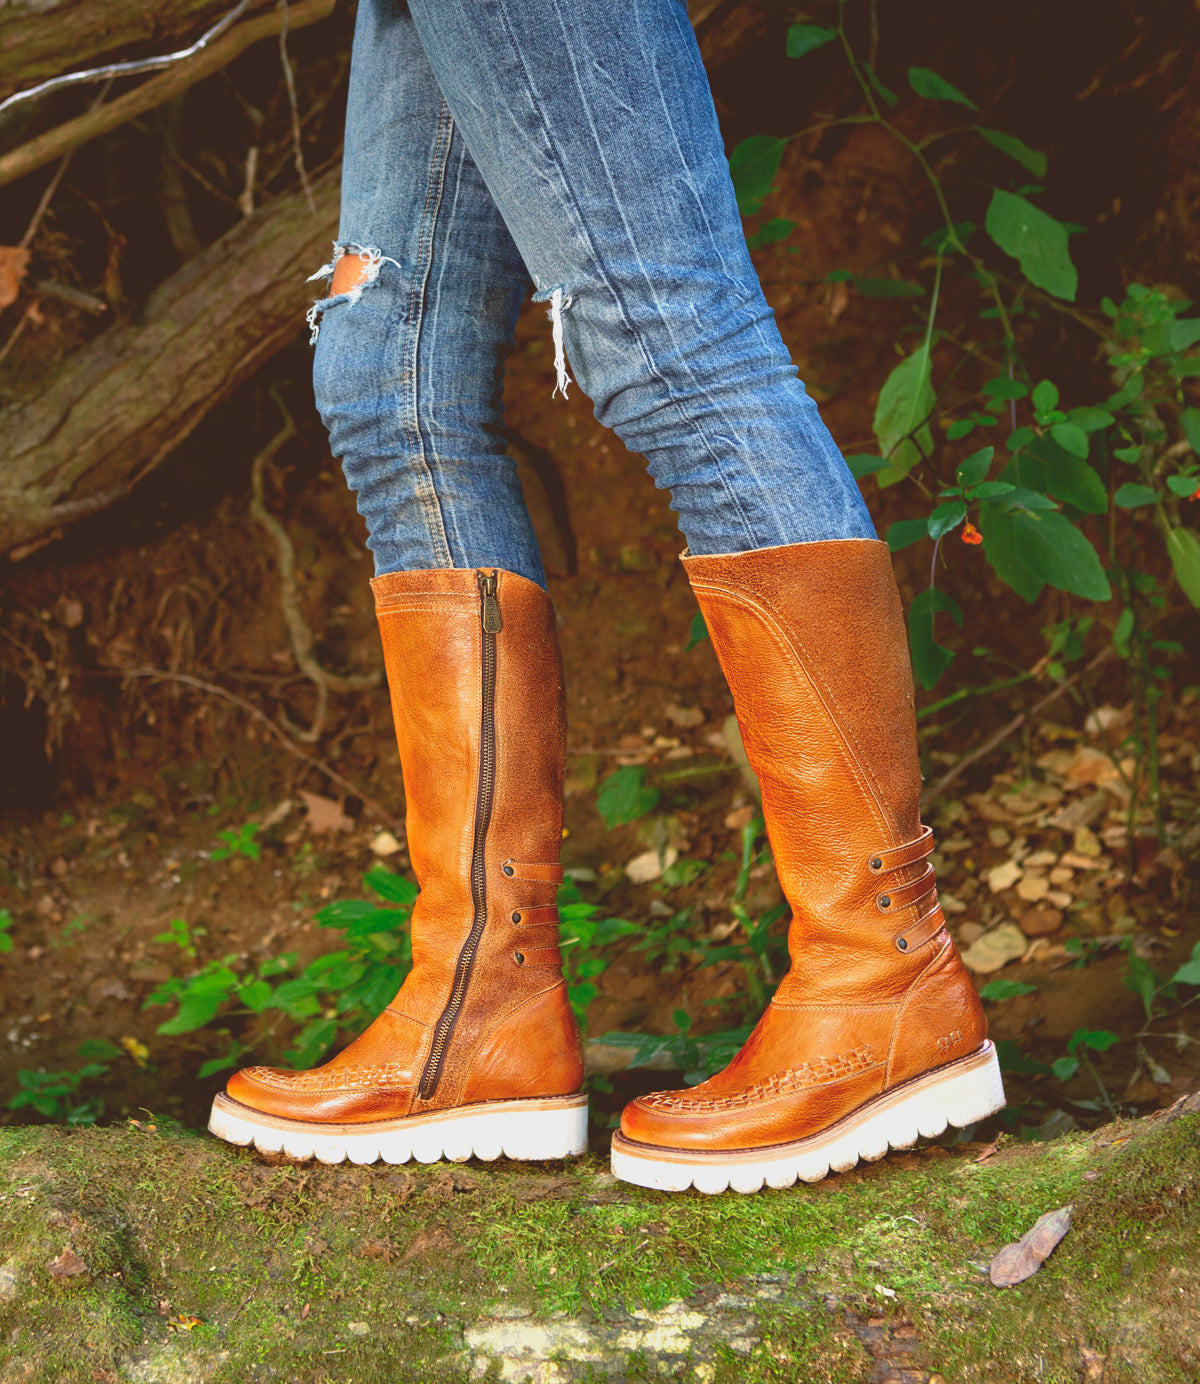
x,y
6,922
239,842
1080,497
697,1057
180,935
56,1095
625,796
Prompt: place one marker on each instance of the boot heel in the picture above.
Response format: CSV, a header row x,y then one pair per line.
x,y
960,1094
533,1130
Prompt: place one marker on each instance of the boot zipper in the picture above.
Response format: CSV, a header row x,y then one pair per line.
x,y
489,618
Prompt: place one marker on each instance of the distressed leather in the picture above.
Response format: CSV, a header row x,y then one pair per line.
x,y
812,643
515,1036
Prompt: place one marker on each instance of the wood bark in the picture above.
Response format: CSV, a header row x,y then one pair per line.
x,y
45,38
154,91
119,406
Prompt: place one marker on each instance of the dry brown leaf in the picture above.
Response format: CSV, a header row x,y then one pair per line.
x,y
324,814
13,263
1017,1262
995,949
67,1265
1004,876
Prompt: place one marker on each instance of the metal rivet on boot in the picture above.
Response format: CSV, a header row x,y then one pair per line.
x,y
876,863
520,958
508,870
885,901
902,943
516,917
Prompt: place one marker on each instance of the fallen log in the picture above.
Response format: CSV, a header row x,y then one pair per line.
x,y
40,40
119,406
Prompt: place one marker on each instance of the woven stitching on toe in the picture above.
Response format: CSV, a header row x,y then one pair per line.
x,y
820,1072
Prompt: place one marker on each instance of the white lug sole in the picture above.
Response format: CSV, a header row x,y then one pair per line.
x,y
958,1094
552,1127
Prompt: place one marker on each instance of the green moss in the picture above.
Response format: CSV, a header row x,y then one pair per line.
x,y
283,1264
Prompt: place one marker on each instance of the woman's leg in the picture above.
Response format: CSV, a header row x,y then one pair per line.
x,y
594,130
409,362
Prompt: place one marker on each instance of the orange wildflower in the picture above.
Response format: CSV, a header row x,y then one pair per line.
x,y
971,534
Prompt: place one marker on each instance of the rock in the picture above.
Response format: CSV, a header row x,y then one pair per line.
x,y
358,1328
650,865
1040,922
385,844
685,717
9,1281
995,949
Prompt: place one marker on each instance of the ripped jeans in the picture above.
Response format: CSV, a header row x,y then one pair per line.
x,y
573,142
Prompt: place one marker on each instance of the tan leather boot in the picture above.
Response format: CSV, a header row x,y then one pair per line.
x,y
479,1052
876,1034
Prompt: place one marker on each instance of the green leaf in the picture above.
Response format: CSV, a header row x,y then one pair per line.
x,y
990,490
773,231
1184,549
1071,439
887,288
1189,421
195,1010
1142,980
1189,972
311,1043
945,518
256,996
1065,1067
1163,338
803,39
1099,1040
1091,419
973,470
753,166
1045,396
1047,467
393,888
889,96
1001,387
1131,496
864,465
1038,242
930,659
1184,486
1032,159
1012,1059
905,532
1031,549
97,1050
927,83
625,796
217,1064
697,632
905,403
964,427
996,990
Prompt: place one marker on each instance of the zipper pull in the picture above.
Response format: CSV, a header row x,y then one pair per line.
x,y
492,623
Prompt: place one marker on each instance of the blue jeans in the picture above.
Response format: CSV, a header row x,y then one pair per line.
x,y
573,142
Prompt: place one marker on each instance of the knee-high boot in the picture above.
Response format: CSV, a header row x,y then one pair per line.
x,y
876,1034
479,1052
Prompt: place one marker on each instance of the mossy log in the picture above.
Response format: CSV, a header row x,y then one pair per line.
x,y
120,405
149,1253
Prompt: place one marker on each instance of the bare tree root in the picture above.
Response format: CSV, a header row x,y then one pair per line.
x,y
213,690
299,634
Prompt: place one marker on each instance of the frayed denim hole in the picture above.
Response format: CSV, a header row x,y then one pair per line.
x,y
372,259
559,302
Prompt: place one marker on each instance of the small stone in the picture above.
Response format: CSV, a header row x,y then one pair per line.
x,y
1040,922
999,836
9,1281
358,1329
1060,898
1033,886
685,717
1062,874
385,844
67,1265
1040,859
1001,877
650,865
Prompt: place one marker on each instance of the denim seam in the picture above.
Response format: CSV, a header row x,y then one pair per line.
x,y
561,165
426,487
